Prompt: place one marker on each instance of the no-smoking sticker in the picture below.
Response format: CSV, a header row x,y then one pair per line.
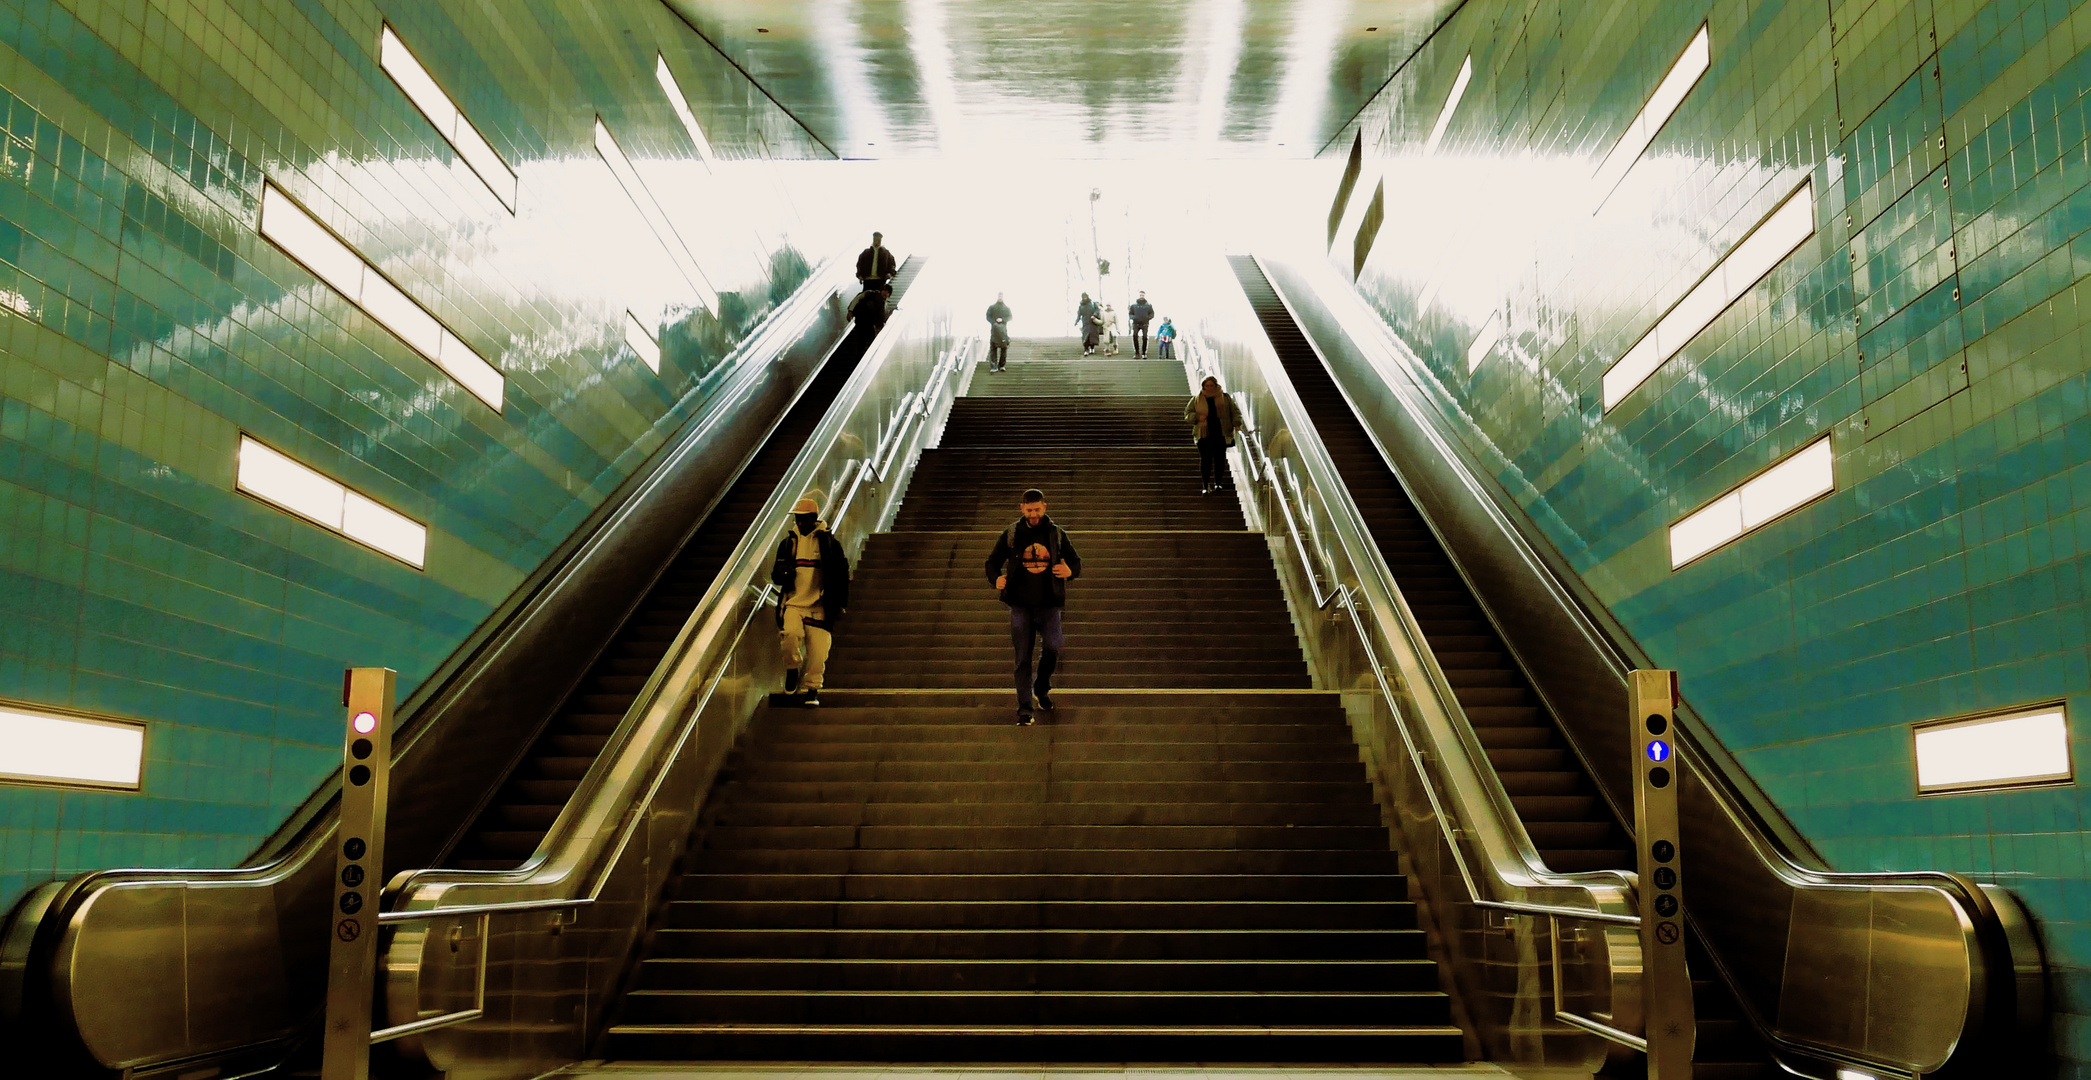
x,y
1666,933
350,929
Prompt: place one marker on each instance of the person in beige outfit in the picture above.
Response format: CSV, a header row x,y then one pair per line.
x,y
811,573
1214,420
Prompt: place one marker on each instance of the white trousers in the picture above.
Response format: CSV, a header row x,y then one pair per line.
x,y
805,647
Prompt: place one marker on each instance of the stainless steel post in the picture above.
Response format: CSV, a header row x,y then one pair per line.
x,y
1666,989
359,871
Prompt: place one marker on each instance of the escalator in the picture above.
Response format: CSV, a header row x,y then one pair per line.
x,y
1571,823
509,829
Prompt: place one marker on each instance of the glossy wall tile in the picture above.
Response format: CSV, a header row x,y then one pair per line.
x,y
1933,324
147,328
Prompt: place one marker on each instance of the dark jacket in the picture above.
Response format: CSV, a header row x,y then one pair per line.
x,y
882,267
1197,413
998,320
868,310
1085,310
834,573
1141,313
1026,589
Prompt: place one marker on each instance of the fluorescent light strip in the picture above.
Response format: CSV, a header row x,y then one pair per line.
x,y
2024,746
641,340
1669,94
1459,90
299,234
682,108
1767,245
448,120
1485,341
1801,478
46,748
276,478
642,197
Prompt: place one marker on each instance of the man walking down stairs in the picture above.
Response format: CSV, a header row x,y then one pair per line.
x,y
1185,864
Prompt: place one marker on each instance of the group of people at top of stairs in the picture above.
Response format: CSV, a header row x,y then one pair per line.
x,y
1098,324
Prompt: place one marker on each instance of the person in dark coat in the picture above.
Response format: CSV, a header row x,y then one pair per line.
x,y
1031,564
875,266
1085,318
997,334
1141,313
1214,421
811,573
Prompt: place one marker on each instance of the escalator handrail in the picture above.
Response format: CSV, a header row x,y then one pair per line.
x,y
578,852
308,830
1512,866
1994,933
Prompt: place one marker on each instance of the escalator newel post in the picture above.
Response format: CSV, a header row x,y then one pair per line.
x,y
1670,1024
359,863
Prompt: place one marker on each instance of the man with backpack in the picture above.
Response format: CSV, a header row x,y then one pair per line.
x,y
1141,313
1030,566
997,335
811,573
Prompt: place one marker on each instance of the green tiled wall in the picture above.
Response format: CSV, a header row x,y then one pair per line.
x,y
144,324
1936,325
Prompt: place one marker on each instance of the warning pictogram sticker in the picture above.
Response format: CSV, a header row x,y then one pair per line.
x,y
1666,933
350,929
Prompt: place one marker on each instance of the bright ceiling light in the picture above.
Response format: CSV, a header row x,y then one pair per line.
x,y
1803,477
673,89
642,342
2013,749
1669,94
38,747
1459,90
1774,238
656,219
301,236
444,115
1485,341
274,477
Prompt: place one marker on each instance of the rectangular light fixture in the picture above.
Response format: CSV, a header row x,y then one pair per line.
x,y
302,237
41,747
682,107
448,120
1777,236
641,340
1485,341
656,219
1459,90
1669,94
1803,477
2000,750
274,477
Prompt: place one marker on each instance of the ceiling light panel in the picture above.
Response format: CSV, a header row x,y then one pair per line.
x,y
1774,238
642,342
1459,90
656,219
673,89
39,747
274,477
301,236
1803,477
2013,749
444,115
1669,94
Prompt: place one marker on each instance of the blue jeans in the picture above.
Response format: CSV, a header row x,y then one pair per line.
x,y
1024,622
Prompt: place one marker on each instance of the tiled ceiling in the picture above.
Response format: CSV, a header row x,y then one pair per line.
x,y
1069,78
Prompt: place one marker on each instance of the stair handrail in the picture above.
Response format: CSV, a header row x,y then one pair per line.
x,y
622,830
2005,970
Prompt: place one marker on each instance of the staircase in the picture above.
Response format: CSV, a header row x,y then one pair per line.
x,y
508,831
1184,862
1569,821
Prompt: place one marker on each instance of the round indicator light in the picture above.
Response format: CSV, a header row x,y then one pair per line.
x,y
1657,725
353,847
1657,777
351,902
360,775
1658,750
360,749
1663,850
365,723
